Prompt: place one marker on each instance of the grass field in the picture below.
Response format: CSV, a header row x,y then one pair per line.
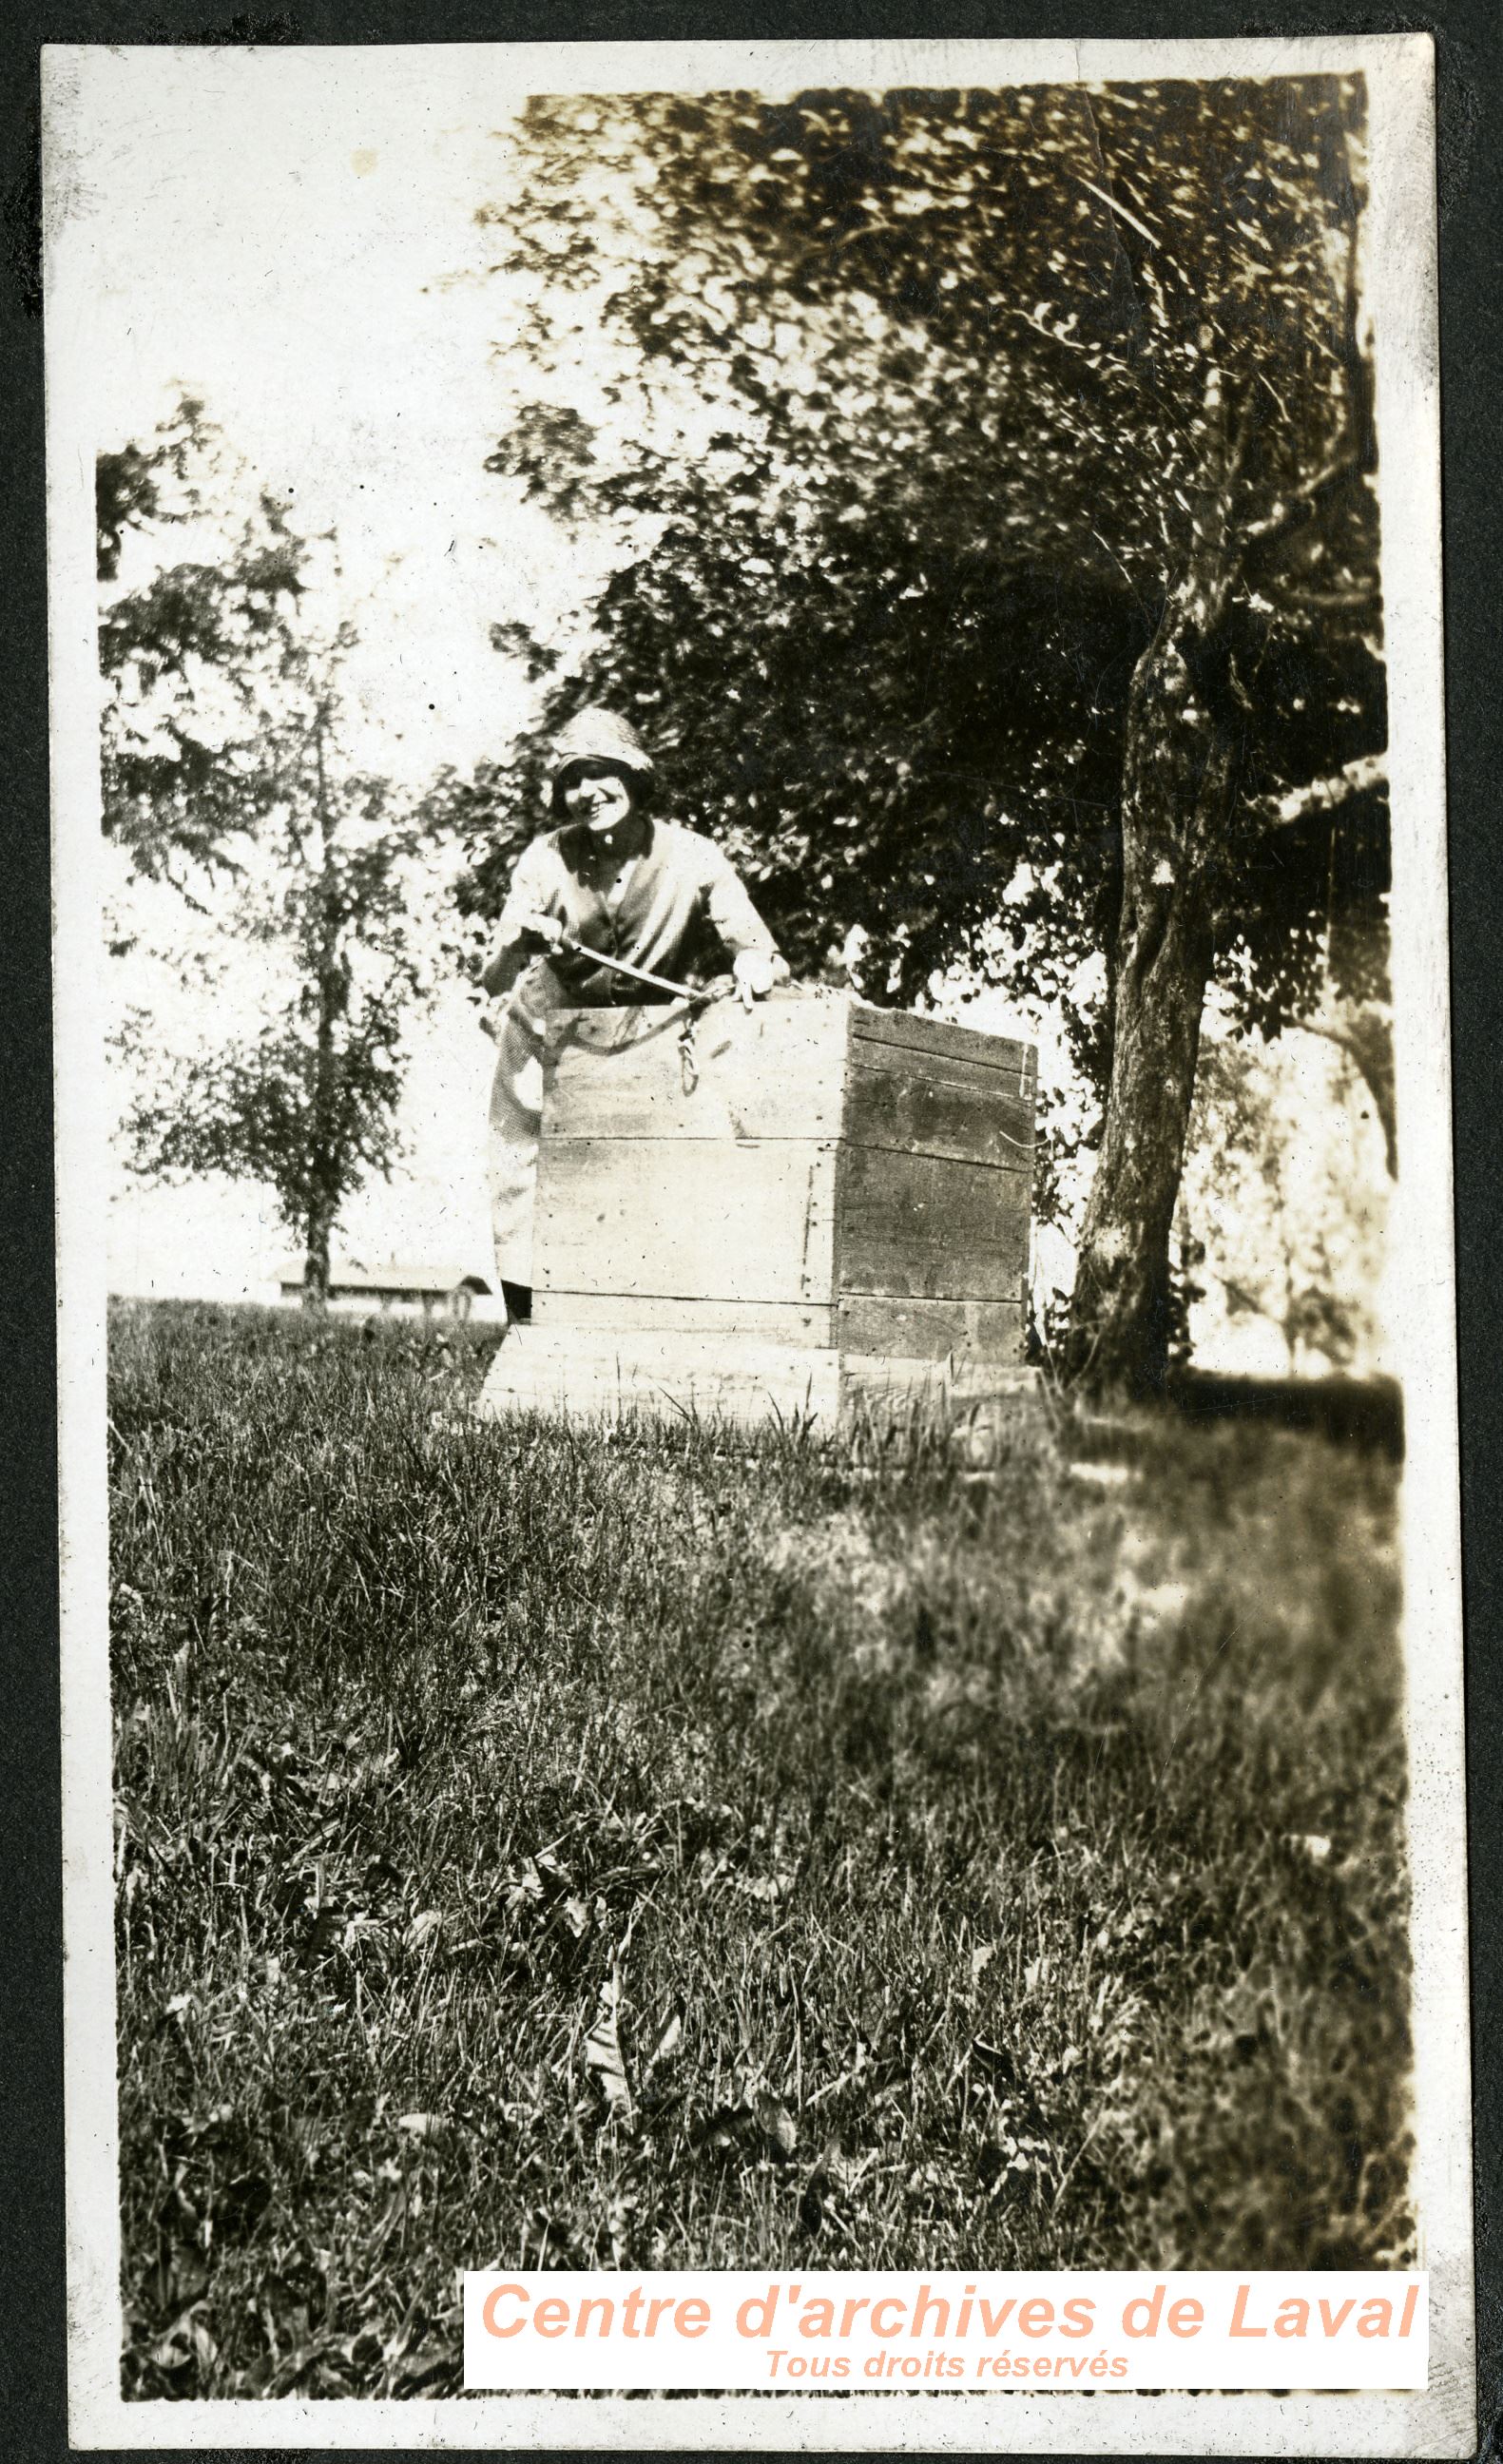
x,y
615,1848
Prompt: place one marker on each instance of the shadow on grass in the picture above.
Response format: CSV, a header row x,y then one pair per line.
x,y
990,1876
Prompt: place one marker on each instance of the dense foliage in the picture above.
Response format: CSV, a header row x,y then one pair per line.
x,y
992,478
193,656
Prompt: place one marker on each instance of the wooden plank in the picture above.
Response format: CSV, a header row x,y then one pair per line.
x,y
577,1373
774,1071
935,1037
923,1329
631,1316
863,1322
955,1068
700,1219
903,1029
886,1379
928,1229
743,1381
967,1116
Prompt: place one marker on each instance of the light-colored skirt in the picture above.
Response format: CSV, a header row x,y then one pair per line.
x,y
515,1120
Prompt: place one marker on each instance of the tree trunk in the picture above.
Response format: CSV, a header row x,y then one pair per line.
x,y
317,1234
323,1173
1178,783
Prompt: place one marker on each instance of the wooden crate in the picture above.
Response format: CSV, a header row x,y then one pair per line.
x,y
786,1207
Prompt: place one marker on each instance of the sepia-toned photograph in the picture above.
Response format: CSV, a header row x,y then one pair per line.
x,y
759,1458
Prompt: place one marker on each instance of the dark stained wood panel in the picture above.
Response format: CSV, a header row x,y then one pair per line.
x,y
920,1330
698,1218
901,1031
929,1229
885,1381
939,1107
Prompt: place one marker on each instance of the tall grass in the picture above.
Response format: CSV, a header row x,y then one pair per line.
x,y
634,1846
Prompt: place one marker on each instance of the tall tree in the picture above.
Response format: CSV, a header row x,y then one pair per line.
x,y
993,473
229,773
191,652
303,1100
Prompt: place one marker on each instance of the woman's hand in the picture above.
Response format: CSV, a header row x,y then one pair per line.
x,y
513,956
755,972
536,925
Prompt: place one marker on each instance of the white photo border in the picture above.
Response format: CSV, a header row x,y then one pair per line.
x,y
85,87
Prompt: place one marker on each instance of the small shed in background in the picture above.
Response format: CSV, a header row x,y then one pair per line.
x,y
395,1289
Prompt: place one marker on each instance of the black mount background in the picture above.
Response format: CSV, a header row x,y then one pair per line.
x,y
1470,66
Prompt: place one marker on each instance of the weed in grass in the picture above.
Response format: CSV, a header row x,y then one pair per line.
x,y
640,1846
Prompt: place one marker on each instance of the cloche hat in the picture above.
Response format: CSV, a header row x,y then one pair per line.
x,y
596,734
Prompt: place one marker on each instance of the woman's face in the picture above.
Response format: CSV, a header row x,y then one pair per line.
x,y
597,795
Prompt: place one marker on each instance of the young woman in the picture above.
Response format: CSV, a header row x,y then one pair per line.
x,y
616,880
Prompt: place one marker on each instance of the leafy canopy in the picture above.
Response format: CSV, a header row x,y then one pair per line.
x,y
197,656
230,770
905,409
303,1097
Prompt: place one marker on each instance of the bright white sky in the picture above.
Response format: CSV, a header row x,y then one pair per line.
x,y
305,262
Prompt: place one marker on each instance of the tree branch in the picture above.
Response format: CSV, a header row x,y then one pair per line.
x,y
1319,794
1294,506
